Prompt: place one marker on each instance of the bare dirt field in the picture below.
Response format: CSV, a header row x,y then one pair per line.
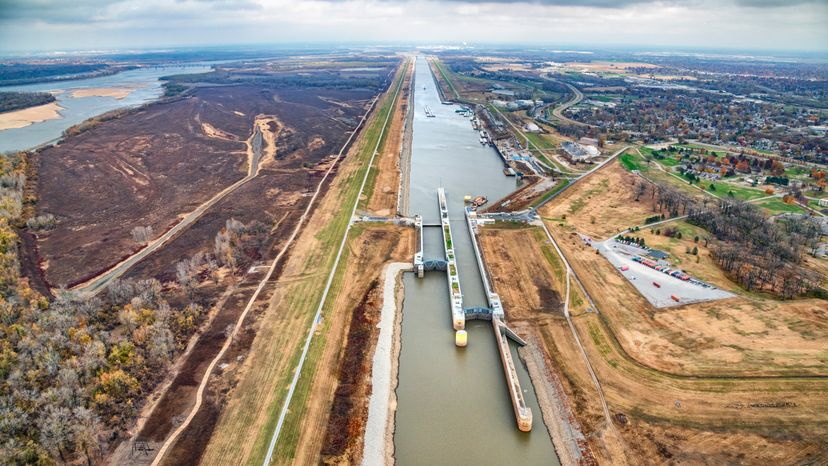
x,y
167,165
530,287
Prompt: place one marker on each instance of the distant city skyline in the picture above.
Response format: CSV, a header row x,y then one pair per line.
x,y
772,25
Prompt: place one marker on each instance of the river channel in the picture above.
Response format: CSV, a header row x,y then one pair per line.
x,y
453,404
143,83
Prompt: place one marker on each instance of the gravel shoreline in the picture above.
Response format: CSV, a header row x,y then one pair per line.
x,y
564,430
379,427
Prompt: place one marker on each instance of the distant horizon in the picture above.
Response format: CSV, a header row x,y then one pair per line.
x,y
712,52
797,26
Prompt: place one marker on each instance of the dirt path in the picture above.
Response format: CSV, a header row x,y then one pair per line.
x,y
255,146
199,396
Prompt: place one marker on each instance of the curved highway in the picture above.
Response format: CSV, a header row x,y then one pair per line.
x,y
577,97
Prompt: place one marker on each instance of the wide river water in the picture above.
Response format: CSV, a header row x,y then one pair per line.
x,y
453,403
143,82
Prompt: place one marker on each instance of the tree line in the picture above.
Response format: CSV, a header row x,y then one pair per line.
x,y
74,371
758,253
11,101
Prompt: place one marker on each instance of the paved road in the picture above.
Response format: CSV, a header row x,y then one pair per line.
x,y
577,97
200,392
96,284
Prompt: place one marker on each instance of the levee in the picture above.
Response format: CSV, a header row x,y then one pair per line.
x,y
523,414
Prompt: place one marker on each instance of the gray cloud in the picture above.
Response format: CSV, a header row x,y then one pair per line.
x,y
96,24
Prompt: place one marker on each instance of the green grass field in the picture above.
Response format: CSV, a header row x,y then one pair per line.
x,y
775,206
563,183
632,161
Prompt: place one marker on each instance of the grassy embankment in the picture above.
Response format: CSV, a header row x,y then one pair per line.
x,y
329,237
441,69
371,183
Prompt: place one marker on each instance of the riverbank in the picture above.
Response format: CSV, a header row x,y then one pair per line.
x,y
28,116
379,427
564,431
405,152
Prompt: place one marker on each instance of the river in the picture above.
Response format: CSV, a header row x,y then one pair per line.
x,y
453,403
143,82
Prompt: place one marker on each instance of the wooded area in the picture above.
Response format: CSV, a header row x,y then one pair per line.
x,y
10,101
759,254
75,371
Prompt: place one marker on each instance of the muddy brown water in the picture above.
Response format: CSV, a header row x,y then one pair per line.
x,y
453,404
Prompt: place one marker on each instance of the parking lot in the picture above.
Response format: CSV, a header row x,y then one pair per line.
x,y
645,278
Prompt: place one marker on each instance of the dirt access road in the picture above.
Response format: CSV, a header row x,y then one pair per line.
x,y
205,378
262,140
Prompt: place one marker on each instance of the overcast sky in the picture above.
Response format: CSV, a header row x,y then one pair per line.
x,y
46,25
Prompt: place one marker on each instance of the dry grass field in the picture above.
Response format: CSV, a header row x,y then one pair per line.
x,y
738,380
371,247
601,205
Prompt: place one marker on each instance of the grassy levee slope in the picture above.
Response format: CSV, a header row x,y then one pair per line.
x,y
291,430
439,65
371,183
246,426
